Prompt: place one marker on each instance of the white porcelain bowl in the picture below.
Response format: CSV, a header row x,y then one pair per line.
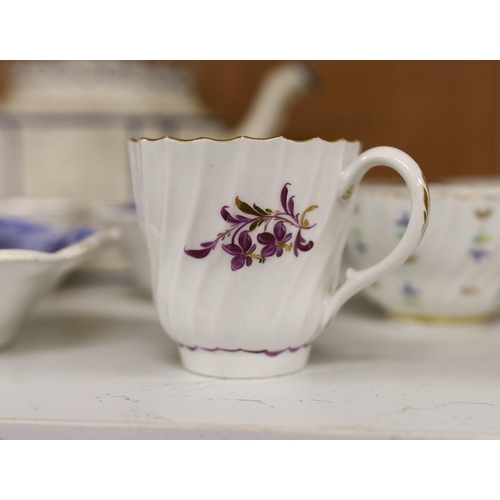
x,y
454,274
27,275
133,242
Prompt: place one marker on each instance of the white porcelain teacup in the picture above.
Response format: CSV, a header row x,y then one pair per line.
x,y
454,275
245,240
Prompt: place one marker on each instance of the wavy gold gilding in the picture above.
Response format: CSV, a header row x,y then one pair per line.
x,y
146,139
440,320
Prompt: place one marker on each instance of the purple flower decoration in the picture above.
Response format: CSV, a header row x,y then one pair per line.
x,y
272,243
275,243
242,253
409,290
478,254
404,220
361,246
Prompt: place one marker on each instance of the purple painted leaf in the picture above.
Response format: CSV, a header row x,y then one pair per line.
x,y
248,261
268,251
280,230
252,249
198,254
288,237
284,196
291,205
207,244
242,218
279,251
266,238
307,246
224,213
478,254
245,241
238,262
227,216
300,244
232,249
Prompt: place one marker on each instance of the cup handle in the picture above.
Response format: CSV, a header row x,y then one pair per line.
x,y
419,194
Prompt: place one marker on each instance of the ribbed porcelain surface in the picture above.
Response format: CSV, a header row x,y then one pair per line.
x,y
181,187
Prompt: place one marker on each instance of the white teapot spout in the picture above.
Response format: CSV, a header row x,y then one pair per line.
x,y
279,90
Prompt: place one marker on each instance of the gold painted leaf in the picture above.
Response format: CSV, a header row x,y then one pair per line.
x,y
303,221
348,193
469,290
259,210
483,214
245,207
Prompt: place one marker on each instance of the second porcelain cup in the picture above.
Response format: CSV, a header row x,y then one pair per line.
x,y
453,278
245,239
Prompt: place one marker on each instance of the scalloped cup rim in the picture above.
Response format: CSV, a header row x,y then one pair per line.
x,y
241,137
89,243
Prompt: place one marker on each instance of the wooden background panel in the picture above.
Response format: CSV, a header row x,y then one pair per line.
x,y
443,113
446,114
3,77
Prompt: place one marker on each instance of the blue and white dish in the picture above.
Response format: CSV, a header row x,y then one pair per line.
x,y
34,258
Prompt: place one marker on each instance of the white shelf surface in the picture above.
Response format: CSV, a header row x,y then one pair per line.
x,y
93,363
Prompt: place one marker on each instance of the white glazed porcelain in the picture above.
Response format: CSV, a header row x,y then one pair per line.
x,y
26,276
132,243
245,239
454,274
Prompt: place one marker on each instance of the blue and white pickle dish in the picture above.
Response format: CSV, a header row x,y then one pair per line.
x,y
454,274
34,258
133,242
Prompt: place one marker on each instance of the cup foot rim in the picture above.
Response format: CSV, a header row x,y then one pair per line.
x,y
238,363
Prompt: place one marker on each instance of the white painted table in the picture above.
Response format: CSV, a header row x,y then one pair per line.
x,y
94,363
